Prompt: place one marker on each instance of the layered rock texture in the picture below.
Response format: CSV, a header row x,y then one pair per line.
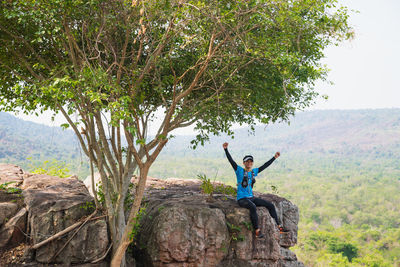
x,y
179,225
183,227
45,206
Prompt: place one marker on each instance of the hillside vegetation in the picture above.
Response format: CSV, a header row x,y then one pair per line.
x,y
32,145
342,168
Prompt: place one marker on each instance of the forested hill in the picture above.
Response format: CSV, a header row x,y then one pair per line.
x,y
28,143
364,133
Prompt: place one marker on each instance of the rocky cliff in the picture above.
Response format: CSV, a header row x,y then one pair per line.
x,y
179,226
36,207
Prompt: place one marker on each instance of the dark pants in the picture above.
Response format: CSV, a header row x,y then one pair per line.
x,y
252,203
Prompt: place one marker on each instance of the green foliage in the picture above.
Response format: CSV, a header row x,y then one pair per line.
x,y
129,197
160,208
88,206
232,227
101,196
274,189
248,225
224,249
206,185
53,168
238,237
10,190
29,144
209,188
4,186
225,190
234,231
246,61
264,69
100,193
333,244
136,224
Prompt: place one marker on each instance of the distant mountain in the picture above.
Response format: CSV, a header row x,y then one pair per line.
x,y
355,140
344,132
364,134
20,140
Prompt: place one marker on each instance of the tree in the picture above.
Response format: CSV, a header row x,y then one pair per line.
x,y
111,67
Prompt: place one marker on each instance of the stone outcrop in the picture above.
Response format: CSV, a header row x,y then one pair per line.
x,y
182,227
51,204
11,173
7,210
13,231
12,213
88,182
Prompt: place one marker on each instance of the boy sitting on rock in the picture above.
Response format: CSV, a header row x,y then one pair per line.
x,y
245,181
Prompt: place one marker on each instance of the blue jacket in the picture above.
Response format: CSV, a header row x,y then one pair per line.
x,y
245,192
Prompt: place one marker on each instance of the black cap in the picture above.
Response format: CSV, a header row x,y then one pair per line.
x,y
248,157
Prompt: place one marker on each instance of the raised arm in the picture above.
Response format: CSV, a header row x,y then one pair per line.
x,y
228,155
269,162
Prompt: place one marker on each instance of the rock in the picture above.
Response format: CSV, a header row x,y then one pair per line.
x,y
181,227
7,210
29,255
48,193
11,173
197,235
54,204
12,197
252,248
289,215
12,232
288,254
291,264
88,182
99,264
243,263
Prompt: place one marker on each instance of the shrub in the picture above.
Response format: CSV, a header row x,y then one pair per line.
x,y
53,168
209,189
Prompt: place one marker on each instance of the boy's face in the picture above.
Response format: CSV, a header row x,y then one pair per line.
x,y
248,164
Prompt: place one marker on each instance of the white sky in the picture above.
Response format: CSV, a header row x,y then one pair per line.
x,y
364,71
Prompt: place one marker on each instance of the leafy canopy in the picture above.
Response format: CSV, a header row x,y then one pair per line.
x,y
212,63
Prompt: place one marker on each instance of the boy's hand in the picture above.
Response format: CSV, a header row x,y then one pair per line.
x,y
277,154
225,145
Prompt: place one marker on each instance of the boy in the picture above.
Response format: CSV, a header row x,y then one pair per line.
x,y
245,181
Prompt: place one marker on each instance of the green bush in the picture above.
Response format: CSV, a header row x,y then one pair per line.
x,y
10,190
53,168
206,185
209,188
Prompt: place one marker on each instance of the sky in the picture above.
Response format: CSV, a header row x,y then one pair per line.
x,y
364,71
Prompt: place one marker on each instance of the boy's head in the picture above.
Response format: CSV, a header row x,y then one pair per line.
x,y
248,161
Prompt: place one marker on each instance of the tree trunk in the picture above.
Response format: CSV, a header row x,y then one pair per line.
x,y
125,240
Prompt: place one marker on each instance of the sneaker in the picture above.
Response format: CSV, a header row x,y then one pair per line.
x,y
259,234
281,230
